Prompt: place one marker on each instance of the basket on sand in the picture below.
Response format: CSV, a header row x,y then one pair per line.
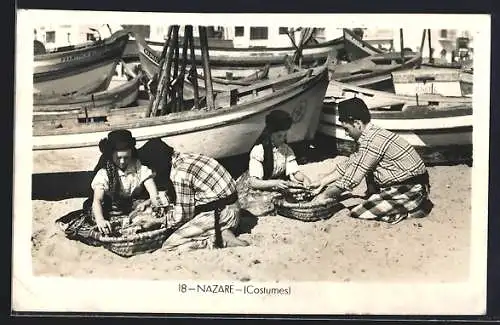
x,y
143,242
128,240
299,206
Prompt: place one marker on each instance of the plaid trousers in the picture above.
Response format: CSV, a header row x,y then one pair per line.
x,y
393,201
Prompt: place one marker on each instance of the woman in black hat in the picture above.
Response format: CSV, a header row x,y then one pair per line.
x,y
272,167
117,189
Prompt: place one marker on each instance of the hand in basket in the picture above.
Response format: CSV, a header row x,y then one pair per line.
x,y
147,221
142,206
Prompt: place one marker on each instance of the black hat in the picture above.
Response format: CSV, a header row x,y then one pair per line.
x,y
353,109
278,120
117,140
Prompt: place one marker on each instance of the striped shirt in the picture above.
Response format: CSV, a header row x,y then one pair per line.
x,y
391,158
197,180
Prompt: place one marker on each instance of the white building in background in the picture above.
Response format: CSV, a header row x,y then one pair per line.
x,y
56,35
247,36
443,41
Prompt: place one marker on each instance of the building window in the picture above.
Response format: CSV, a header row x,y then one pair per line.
x,y
239,31
90,37
283,30
50,37
258,33
443,33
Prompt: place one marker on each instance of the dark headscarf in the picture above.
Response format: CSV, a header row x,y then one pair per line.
x,y
353,109
157,155
277,120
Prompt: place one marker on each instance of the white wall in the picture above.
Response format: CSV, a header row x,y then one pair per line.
x,y
68,34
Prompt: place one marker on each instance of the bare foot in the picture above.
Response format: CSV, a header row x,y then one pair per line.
x,y
230,239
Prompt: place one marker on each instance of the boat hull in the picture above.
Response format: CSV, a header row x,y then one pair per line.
x,y
337,92
68,72
249,57
120,96
230,132
421,128
446,82
356,48
374,72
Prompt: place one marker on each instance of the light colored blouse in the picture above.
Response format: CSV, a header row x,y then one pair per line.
x,y
130,179
285,162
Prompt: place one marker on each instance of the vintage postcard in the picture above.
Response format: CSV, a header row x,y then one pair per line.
x,y
322,164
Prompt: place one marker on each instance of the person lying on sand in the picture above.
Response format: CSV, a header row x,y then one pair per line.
x,y
117,189
396,177
206,209
272,167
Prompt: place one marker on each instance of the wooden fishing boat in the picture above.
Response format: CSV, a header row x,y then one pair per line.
x,y
356,48
253,56
375,99
150,64
120,96
439,133
374,71
68,70
466,65
131,52
447,82
71,144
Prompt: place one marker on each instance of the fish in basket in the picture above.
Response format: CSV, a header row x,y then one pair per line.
x,y
298,204
140,232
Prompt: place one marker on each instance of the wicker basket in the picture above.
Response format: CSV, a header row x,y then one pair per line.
x,y
127,245
144,242
307,211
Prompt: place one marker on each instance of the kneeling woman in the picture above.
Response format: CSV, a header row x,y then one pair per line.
x,y
206,210
272,168
117,189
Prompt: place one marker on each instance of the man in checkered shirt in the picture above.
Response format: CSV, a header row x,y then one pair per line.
x,y
396,177
204,195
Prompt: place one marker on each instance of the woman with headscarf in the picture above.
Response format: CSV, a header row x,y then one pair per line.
x,y
272,167
117,189
203,193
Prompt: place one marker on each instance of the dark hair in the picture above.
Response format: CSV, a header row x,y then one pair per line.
x,y
157,155
353,109
277,120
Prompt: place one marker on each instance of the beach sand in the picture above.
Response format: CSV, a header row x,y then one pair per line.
x,y
342,249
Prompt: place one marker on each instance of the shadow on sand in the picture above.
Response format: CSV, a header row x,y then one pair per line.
x,y
60,186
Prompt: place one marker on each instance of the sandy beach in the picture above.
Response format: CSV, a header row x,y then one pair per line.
x,y
341,249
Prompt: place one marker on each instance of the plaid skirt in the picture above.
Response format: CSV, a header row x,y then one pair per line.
x,y
199,232
395,203
256,202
